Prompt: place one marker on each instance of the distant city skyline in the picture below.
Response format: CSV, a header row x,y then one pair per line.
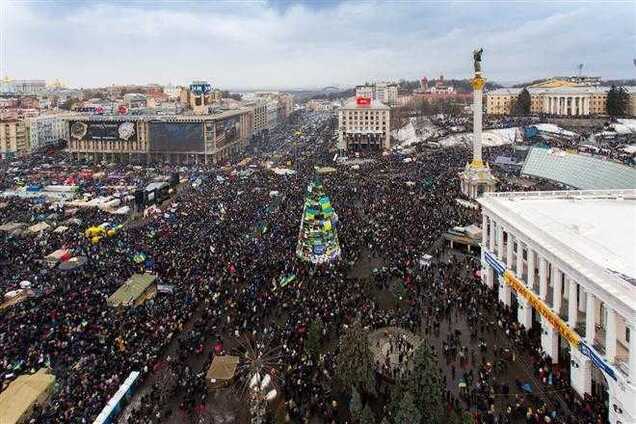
x,y
246,45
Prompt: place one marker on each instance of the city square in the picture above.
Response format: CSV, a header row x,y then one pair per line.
x,y
444,250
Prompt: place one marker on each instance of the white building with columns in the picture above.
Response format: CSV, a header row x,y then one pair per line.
x,y
566,261
571,101
557,101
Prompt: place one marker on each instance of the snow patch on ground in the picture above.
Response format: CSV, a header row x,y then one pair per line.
x,y
408,136
625,126
489,138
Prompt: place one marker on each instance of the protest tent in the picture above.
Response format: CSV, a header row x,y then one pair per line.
x,y
11,227
135,291
20,397
325,170
469,236
60,255
283,171
38,228
60,229
14,297
222,370
72,263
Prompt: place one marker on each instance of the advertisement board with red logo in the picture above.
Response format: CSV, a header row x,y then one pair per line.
x,y
363,101
122,109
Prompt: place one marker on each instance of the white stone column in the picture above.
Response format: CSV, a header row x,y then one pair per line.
x,y
549,340
519,266
586,109
543,278
545,104
556,289
491,238
484,230
524,313
505,291
610,335
531,265
590,319
509,252
580,373
500,243
490,277
575,105
563,109
573,311
582,300
553,105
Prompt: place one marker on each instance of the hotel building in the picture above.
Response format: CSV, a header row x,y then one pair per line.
x,y
364,124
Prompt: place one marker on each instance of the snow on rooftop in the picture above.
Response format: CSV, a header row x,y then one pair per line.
x,y
555,129
600,229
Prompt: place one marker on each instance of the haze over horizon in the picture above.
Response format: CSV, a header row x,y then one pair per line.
x,y
277,44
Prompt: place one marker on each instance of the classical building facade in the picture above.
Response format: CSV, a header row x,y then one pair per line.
x,y
364,124
565,261
557,101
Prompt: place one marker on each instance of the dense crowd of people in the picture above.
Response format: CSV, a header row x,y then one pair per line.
x,y
211,247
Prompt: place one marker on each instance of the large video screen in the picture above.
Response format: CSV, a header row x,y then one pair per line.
x,y
103,130
176,137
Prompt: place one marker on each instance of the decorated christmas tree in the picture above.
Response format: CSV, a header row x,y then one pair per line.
x,y
317,239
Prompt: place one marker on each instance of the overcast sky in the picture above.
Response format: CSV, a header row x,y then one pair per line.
x,y
276,44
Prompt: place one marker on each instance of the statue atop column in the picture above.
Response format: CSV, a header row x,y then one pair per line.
x,y
476,177
477,60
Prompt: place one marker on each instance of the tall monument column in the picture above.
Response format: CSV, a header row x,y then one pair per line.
x,y
476,177
478,93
